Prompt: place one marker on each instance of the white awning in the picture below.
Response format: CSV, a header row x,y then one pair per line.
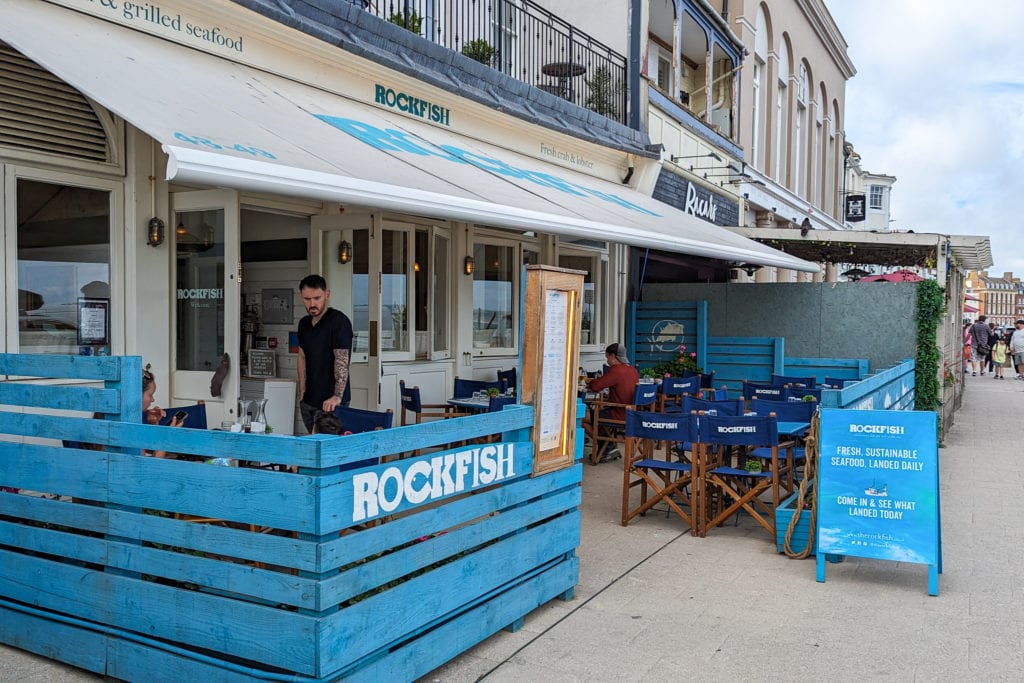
x,y
225,124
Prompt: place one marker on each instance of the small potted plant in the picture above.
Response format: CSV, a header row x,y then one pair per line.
x,y
493,391
650,376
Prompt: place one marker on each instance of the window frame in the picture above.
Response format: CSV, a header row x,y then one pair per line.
x,y
519,244
11,174
599,258
409,229
880,194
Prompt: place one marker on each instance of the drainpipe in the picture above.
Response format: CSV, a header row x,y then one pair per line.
x,y
633,64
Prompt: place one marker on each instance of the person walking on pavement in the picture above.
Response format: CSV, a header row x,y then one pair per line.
x,y
1017,348
999,357
980,346
993,336
325,350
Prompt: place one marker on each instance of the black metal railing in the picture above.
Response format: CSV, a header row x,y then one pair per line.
x,y
524,41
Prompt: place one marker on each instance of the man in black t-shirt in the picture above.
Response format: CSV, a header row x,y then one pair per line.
x,y
325,349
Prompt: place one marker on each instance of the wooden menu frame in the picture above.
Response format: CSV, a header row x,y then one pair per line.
x,y
551,353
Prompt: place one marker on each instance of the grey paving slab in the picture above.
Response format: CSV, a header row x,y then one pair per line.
x,y
740,611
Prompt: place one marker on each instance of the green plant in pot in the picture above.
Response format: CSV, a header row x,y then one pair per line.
x,y
649,373
480,50
605,92
493,391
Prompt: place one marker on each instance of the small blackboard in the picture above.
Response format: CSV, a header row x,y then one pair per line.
x,y
262,363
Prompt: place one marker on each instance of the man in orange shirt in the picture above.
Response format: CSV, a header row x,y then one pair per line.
x,y
620,380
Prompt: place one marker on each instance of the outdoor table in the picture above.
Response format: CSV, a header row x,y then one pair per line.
x,y
793,428
479,405
564,72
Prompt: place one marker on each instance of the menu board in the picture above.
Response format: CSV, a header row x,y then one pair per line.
x,y
551,338
262,363
93,321
552,381
878,486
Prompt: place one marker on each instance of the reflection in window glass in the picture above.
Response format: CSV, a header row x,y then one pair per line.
x,y
394,287
63,255
588,264
199,258
360,291
493,296
440,277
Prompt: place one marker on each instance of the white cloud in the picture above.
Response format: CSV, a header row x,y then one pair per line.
x,y
938,102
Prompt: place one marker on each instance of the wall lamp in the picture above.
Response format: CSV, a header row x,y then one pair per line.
x,y
805,226
749,268
713,155
469,265
344,252
155,232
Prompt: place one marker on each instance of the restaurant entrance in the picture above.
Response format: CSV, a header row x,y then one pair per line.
x,y
206,310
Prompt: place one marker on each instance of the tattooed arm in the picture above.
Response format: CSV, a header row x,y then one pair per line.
x,y
341,358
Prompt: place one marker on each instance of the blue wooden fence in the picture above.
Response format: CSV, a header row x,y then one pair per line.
x,y
656,329
820,368
889,389
150,569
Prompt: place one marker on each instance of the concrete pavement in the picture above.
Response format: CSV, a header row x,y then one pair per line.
x,y
654,602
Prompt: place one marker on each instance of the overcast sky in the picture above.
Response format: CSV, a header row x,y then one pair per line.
x,y
938,102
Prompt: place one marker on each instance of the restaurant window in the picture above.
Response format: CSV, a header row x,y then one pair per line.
x,y
439,279
415,292
593,290
63,267
394,291
360,293
494,287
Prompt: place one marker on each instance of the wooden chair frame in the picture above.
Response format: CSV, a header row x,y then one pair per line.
x,y
742,488
666,479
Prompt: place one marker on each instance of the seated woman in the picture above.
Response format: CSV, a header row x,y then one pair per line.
x,y
152,413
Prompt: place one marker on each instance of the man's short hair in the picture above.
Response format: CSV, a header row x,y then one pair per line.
x,y
313,281
982,318
1019,322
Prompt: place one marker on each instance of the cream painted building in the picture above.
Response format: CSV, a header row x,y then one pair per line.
x,y
173,170
792,102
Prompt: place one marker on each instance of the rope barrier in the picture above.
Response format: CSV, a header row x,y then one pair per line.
x,y
810,472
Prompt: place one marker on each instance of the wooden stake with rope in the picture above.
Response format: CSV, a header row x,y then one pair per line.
x,y
810,471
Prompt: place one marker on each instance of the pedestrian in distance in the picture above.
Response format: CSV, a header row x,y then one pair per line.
x,y
325,351
980,346
1017,348
999,358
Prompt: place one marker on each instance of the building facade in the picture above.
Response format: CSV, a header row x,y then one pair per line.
x,y
998,296
165,197
792,93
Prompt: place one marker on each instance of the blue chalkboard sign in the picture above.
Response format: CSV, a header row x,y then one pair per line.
x,y
878,488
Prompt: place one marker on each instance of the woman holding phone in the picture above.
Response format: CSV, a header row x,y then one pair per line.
x,y
152,413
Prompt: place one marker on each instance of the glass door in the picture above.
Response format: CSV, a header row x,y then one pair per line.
x,y
354,282
206,300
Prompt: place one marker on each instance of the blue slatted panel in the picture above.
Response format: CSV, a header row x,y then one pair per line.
x,y
735,359
820,368
234,571
656,329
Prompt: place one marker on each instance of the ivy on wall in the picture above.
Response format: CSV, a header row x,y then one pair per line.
x,y
931,304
